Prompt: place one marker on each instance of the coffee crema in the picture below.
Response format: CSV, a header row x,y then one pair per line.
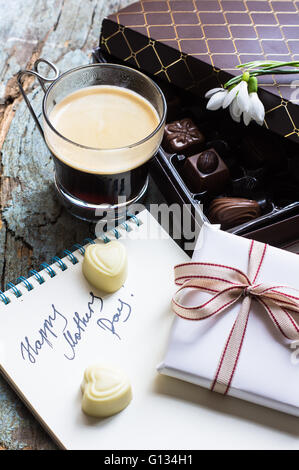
x,y
104,121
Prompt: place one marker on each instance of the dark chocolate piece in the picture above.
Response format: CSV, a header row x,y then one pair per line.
x,y
205,171
245,186
207,161
260,148
230,211
183,137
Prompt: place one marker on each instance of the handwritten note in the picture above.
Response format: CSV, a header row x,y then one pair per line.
x,y
122,315
57,326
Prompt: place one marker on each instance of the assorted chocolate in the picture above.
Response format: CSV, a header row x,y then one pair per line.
x,y
183,137
229,211
245,177
258,151
206,171
262,167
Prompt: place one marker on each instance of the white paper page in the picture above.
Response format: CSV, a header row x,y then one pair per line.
x,y
49,373
165,413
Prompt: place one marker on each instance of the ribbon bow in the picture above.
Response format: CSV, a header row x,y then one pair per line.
x,y
227,286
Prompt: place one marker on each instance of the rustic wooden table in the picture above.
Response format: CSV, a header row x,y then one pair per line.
x,y
33,226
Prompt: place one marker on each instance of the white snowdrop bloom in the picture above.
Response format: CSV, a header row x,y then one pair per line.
x,y
213,91
235,111
239,101
243,97
231,96
247,118
220,97
216,100
256,110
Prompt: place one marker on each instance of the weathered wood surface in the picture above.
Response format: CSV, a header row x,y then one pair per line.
x,y
33,226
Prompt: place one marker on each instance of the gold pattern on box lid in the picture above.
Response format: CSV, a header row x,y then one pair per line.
x,y
196,44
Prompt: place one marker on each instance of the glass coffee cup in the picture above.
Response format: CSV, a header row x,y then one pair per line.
x,y
97,183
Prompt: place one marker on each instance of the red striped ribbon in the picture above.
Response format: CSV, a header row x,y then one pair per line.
x,y
227,286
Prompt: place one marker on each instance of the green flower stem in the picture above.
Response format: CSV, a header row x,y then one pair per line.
x,y
270,64
233,81
273,67
252,85
256,73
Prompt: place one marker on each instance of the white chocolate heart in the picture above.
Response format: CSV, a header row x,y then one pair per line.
x,y
105,265
106,391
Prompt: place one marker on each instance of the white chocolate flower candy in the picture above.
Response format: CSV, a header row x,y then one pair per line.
x,y
106,391
105,265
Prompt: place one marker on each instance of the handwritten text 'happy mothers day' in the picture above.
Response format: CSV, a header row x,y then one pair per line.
x,y
73,330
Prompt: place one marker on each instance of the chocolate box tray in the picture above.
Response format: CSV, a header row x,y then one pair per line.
x,y
263,167
279,233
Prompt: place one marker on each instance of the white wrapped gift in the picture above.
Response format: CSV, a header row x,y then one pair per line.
x,y
266,366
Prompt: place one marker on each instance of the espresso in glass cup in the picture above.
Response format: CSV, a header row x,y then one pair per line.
x,y
102,124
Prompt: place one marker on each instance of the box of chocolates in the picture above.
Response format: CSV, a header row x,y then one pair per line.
x,y
244,178
197,44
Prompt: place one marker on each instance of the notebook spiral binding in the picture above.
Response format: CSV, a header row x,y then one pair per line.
x,y
10,286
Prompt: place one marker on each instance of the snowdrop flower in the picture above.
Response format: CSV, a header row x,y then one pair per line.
x,y
235,111
241,98
216,96
213,91
238,93
256,110
220,97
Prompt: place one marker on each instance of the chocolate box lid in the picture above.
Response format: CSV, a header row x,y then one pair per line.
x,y
196,44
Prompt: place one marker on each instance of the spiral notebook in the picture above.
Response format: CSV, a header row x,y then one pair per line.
x,y
43,353
47,341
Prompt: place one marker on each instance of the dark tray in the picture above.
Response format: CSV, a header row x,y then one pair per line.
x,y
278,234
275,180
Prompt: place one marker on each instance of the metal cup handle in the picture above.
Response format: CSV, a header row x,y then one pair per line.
x,y
42,80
